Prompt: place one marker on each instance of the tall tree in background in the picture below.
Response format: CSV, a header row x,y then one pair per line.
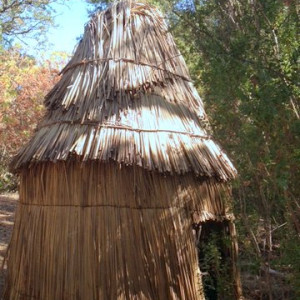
x,y
244,57
23,81
19,18
23,85
247,61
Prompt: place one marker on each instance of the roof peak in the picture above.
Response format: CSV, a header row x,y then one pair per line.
x,y
126,95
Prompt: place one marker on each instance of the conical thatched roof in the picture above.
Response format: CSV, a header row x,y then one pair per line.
x,y
126,95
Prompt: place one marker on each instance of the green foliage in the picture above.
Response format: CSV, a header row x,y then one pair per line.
x,y
250,77
292,259
211,263
19,18
23,82
244,58
215,261
8,182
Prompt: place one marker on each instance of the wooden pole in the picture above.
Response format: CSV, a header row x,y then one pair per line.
x,y
234,259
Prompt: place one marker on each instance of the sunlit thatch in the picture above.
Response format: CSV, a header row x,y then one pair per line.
x,y
126,95
118,170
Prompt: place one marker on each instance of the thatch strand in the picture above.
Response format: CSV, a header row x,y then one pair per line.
x,y
126,95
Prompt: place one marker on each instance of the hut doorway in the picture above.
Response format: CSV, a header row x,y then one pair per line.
x,y
217,253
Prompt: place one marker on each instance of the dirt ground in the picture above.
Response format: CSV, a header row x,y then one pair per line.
x,y
8,204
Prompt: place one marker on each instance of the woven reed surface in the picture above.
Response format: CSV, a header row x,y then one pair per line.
x,y
118,240
93,184
126,95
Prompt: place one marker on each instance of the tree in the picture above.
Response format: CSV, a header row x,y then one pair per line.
x,y
23,82
23,85
19,18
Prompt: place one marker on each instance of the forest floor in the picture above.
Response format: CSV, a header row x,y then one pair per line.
x,y
8,204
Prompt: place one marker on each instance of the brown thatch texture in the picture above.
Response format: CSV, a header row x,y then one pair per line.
x,y
97,184
126,95
112,235
93,223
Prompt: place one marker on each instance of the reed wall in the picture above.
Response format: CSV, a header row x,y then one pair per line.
x,y
102,231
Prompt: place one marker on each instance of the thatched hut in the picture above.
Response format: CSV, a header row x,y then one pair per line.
x,y
117,172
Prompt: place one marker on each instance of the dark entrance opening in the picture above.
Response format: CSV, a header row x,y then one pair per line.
x,y
217,250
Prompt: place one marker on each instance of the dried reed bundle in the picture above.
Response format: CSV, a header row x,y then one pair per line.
x,y
94,184
97,232
117,172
